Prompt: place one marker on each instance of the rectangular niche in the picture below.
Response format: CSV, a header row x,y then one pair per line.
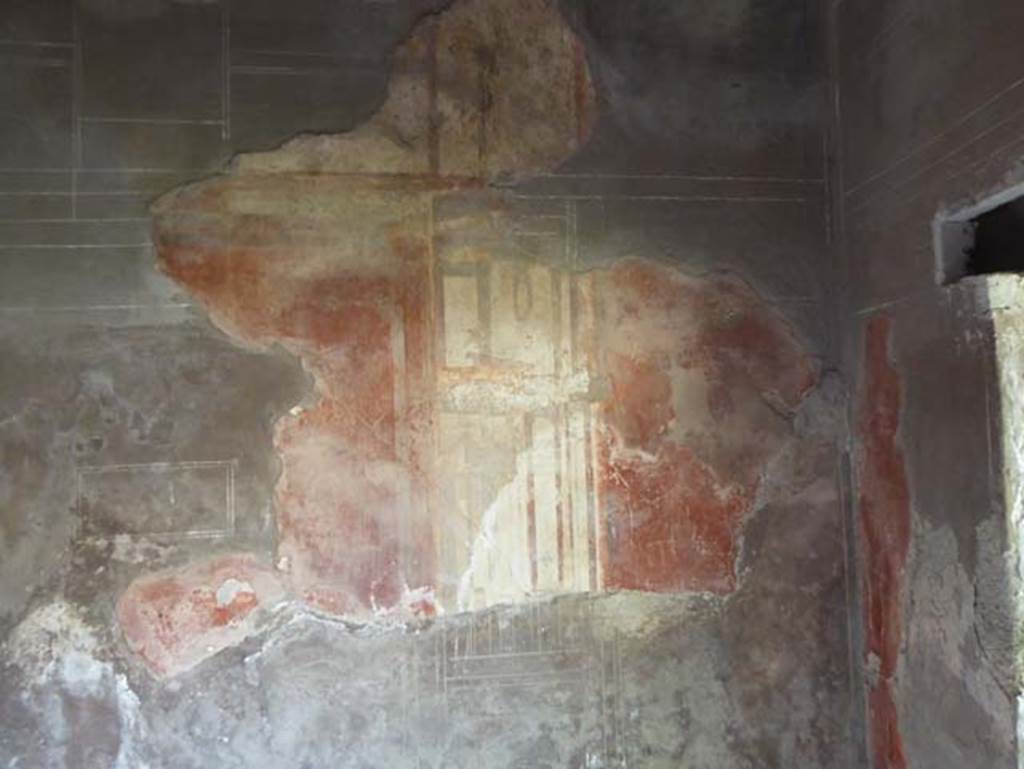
x,y
176,500
985,239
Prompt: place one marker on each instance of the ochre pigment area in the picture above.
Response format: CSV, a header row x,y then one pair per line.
x,y
885,519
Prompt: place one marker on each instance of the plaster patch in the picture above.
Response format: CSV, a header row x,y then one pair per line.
x,y
48,636
73,689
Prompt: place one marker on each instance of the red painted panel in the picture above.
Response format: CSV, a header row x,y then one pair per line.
x,y
641,403
884,497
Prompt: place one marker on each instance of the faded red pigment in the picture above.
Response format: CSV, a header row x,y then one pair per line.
x,y
884,498
675,527
677,487
171,617
337,517
641,403
675,496
698,370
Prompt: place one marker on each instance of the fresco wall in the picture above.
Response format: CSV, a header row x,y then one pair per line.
x,y
491,421
461,455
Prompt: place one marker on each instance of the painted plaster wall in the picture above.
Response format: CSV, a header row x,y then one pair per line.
x,y
928,118
488,424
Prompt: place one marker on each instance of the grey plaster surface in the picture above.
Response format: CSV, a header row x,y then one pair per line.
x,y
113,385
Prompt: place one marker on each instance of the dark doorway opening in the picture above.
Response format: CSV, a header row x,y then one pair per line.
x,y
998,240
985,240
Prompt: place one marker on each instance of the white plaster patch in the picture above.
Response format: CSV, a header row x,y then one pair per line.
x,y
58,652
128,712
230,589
49,635
524,393
492,566
83,674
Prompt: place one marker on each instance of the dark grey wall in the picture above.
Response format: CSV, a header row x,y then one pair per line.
x,y
929,103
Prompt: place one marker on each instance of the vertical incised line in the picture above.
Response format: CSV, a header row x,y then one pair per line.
x,y
225,97
76,106
433,118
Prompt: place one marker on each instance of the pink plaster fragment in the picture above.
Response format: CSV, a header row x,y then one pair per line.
x,y
174,620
